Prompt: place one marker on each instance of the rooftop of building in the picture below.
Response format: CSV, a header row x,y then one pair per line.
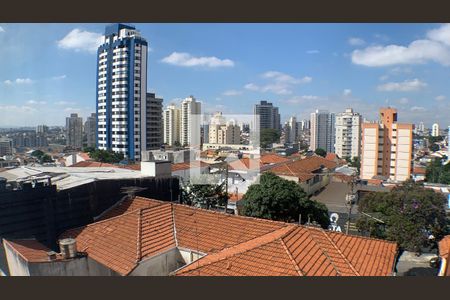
x,y
30,250
232,245
304,168
68,177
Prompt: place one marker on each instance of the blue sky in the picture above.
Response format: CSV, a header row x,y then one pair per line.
x,y
48,70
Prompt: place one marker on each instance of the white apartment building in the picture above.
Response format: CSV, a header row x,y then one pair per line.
x,y
322,131
435,129
121,91
190,122
291,130
172,124
387,148
348,134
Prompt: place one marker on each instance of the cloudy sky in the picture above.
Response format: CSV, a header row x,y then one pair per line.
x,y
48,70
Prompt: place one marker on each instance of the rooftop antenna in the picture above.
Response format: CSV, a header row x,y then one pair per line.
x,y
131,191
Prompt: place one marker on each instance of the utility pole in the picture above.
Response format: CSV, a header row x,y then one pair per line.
x,y
350,201
226,187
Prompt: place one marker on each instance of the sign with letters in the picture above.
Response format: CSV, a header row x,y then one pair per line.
x,y
334,217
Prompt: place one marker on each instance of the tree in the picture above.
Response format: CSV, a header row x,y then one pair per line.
x,y
434,147
106,156
410,214
321,152
269,136
356,163
45,159
177,144
279,199
205,194
437,172
37,153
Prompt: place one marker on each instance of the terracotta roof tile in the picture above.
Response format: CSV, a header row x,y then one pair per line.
x,y
30,250
234,245
303,169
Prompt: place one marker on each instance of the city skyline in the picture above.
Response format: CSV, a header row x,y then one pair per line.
x,y
363,66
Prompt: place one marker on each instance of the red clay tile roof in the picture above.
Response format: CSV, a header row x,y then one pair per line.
x,y
188,165
121,242
271,158
234,245
303,168
296,250
30,250
92,164
419,170
84,155
331,156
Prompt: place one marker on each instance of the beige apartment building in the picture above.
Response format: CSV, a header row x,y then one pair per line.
x,y
221,132
387,148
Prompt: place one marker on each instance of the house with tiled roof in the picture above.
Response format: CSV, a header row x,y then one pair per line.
x,y
311,173
148,237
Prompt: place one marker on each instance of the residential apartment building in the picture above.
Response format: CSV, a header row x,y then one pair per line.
x,y
348,134
387,148
435,129
222,132
90,130
74,129
154,127
41,129
269,116
322,130
291,132
171,124
6,146
122,91
190,121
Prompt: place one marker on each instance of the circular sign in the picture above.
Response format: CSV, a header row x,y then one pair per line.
x,y
334,217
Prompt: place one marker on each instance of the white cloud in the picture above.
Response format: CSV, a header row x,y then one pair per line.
x,y
18,81
71,109
33,102
354,41
418,108
384,77
440,98
312,52
405,86
81,40
2,29
59,77
435,48
347,92
232,93
187,60
280,83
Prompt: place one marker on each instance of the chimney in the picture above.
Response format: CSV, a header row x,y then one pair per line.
x,y
51,255
68,248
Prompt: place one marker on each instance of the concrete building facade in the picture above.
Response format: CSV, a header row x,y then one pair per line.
x,y
154,127
387,148
222,132
435,129
348,134
122,91
190,121
90,130
322,130
6,146
269,116
171,124
74,128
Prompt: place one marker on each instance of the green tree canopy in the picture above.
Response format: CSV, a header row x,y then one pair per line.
x,y
437,172
269,136
279,199
410,214
37,153
106,156
206,194
321,152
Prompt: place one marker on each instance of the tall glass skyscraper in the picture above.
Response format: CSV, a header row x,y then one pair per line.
x,y
122,91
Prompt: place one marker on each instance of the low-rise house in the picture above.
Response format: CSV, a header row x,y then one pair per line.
x,y
311,173
144,237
